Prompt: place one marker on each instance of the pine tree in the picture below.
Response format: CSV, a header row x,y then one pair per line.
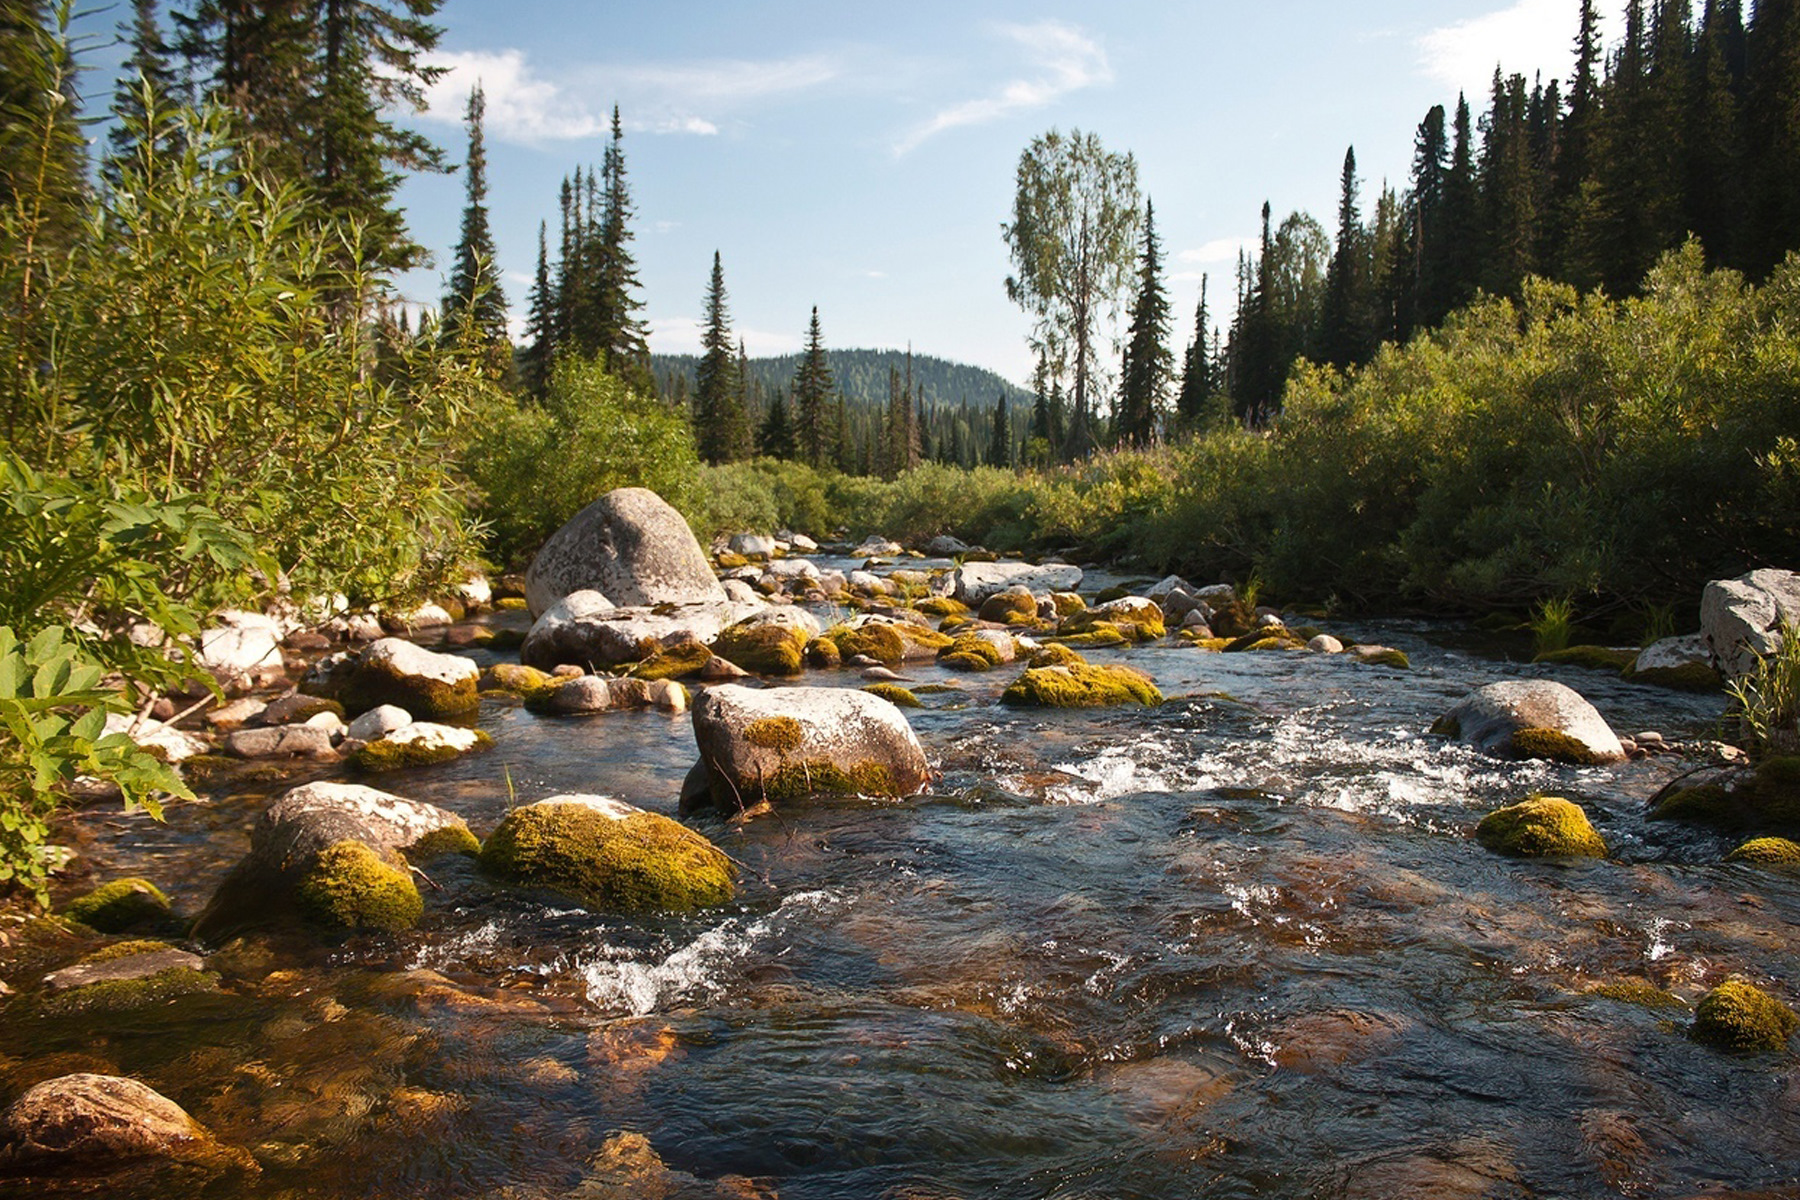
x,y
621,333
1148,365
1344,336
720,430
1458,264
999,447
813,386
1772,83
147,77
1425,298
1194,399
537,358
475,305
1257,373
1508,186
1713,198
775,436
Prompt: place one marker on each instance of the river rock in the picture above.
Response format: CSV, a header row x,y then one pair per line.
x,y
631,547
737,591
1741,618
1324,643
870,584
945,546
798,542
787,570
124,969
378,722
475,592
770,642
1532,718
1677,662
419,744
97,1118
753,545
587,629
609,855
394,671
280,741
588,694
875,546
783,744
974,582
166,741
243,652
307,820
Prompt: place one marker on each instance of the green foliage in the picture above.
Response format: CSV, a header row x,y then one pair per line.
x,y
1765,703
1551,624
537,465
53,708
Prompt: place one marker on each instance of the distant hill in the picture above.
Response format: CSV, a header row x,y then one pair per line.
x,y
862,376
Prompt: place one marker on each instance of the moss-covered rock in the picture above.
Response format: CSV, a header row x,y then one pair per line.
x,y
1554,746
1108,595
1381,656
677,661
941,606
1595,658
823,652
765,648
350,886
517,679
1056,655
1097,636
1685,677
729,561
1541,827
1079,685
880,642
1767,852
429,685
419,745
1271,637
971,652
125,976
1705,804
1774,791
1741,1017
609,856
1231,617
1638,992
894,694
1011,607
1132,617
119,905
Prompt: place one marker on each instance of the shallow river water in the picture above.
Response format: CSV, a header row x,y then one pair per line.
x,y
1239,945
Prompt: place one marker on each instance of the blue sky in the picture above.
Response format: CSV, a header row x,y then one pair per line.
x,y
861,157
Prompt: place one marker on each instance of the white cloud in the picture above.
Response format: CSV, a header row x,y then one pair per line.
x,y
1067,60
1527,38
526,106
1219,250
681,335
874,275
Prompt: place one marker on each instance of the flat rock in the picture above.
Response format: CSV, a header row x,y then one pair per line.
x,y
586,628
631,547
379,722
974,582
280,741
306,820
122,970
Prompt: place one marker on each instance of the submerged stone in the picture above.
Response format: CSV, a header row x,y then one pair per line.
x,y
1557,723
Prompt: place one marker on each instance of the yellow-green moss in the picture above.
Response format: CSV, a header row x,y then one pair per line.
x,y
949,625
1447,726
1741,1017
1636,991
1146,627
1273,637
894,694
1387,657
1767,852
1553,745
729,561
1108,595
795,781
1597,658
312,707
517,679
677,662
512,603
123,995
1688,677
638,863
375,684
917,637
971,652
1102,633
1009,606
938,689
1212,644
882,643
1056,655
822,652
1080,685
125,949
504,639
385,754
1707,804
443,841
783,734
764,648
1541,827
941,606
119,905
349,886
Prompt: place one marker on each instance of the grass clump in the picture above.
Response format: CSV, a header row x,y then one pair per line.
x,y
1740,1017
1541,827
1080,685
641,862
349,886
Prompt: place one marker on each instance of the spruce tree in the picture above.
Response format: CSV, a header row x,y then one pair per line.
x,y
1426,298
537,358
1148,365
999,450
813,387
720,430
1508,188
1772,84
1254,350
622,339
775,436
147,76
1458,262
1195,396
475,304
1713,198
1344,323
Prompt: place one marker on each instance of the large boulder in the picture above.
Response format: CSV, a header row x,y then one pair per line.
x,y
586,629
753,545
631,547
338,855
1532,718
1541,827
100,1120
1741,618
784,744
974,582
1677,662
609,856
394,671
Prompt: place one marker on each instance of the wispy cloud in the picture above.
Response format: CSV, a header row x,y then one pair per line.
x,y
681,335
527,106
1065,59
1219,250
1526,38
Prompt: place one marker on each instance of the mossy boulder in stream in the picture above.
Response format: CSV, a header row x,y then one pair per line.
x,y
888,640
1741,1017
1532,718
982,650
609,856
782,745
677,660
349,886
1767,852
117,906
125,976
420,744
1133,617
894,693
771,643
1080,685
429,685
1541,827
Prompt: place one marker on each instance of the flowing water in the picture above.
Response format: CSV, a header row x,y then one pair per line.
x,y
1239,945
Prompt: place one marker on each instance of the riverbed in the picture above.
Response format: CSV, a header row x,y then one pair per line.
x,y
1241,944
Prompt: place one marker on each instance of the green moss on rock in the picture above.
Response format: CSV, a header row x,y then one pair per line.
x,y
1056,655
1741,1017
376,683
1638,992
1100,634
1595,658
971,652
349,886
126,949
385,754
941,606
678,662
894,694
1767,852
123,995
517,679
1774,791
1553,745
1706,804
1541,827
823,652
1080,685
443,841
119,905
764,648
775,733
729,561
637,863
1688,677
796,781
1274,637
1010,608
1386,656
1108,595
882,643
